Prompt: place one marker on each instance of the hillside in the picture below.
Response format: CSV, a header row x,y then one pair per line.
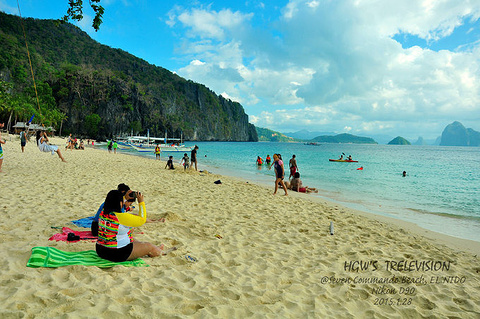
x,y
399,141
344,138
267,135
90,89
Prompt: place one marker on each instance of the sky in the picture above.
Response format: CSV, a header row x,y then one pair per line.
x,y
365,67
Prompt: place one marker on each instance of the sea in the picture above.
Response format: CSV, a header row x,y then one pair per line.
x,y
440,192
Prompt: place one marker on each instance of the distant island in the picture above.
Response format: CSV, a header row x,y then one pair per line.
x,y
344,138
456,134
267,135
399,141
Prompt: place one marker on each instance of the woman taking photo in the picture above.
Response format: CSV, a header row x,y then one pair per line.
x,y
115,241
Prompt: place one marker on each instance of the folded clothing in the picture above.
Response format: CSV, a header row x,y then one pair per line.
x,y
84,222
77,235
53,258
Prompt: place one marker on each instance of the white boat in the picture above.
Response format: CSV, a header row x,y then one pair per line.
x,y
148,144
163,148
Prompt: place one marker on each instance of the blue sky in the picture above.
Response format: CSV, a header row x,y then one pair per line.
x,y
388,67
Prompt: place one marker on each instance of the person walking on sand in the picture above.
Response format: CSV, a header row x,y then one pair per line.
x,y
23,139
293,167
193,157
279,173
42,140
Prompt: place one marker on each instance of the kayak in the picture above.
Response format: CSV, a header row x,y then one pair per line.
x,y
347,161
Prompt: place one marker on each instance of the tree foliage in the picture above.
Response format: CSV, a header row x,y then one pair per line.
x,y
77,77
75,12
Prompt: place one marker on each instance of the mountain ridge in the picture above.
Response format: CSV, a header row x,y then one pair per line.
x,y
81,81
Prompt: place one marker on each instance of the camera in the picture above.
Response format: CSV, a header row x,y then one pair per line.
x,y
133,194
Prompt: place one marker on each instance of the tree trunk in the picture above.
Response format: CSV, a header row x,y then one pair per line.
x,y
9,121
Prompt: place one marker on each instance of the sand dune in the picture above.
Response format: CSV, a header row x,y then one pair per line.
x,y
276,257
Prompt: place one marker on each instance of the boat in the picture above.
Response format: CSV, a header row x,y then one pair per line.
x,y
342,160
148,144
163,148
312,143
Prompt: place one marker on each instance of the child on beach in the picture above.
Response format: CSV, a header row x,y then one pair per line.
x,y
157,152
170,163
185,161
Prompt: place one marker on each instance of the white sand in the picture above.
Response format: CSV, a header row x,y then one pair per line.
x,y
272,261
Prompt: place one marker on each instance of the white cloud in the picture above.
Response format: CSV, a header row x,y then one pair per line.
x,y
334,64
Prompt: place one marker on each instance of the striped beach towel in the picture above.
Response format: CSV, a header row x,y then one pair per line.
x,y
52,257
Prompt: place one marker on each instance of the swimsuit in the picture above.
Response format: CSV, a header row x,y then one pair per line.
x,y
278,169
1,152
115,242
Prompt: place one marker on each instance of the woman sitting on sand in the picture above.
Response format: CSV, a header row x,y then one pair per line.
x,y
296,185
115,241
42,140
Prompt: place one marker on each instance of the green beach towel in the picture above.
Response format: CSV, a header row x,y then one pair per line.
x,y
53,258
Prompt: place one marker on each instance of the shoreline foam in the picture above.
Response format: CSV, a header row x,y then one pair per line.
x,y
276,257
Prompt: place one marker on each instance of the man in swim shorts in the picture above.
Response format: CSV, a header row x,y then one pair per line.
x,y
23,139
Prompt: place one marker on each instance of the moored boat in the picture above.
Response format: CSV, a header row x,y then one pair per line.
x,y
148,144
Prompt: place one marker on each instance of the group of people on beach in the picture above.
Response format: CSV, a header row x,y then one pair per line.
x,y
42,143
294,183
112,144
73,143
186,161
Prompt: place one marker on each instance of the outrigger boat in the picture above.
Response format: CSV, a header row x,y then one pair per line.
x,y
148,144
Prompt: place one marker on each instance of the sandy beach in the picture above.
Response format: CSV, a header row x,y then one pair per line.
x,y
276,257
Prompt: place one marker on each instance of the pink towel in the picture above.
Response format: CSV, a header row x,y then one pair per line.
x,y
84,235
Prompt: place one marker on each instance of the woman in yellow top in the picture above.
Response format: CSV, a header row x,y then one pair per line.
x,y
115,241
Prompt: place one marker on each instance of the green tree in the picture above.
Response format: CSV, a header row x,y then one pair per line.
x,y
136,126
75,12
91,124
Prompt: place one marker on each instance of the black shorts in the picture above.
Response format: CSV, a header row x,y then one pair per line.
x,y
114,254
23,143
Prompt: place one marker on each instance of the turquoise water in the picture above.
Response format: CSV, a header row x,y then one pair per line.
x,y
440,192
